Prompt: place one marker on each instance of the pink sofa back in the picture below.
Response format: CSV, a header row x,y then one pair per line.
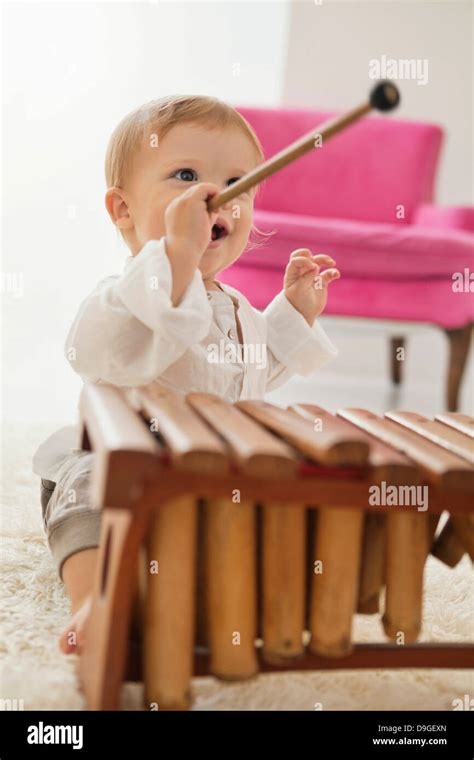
x,y
364,173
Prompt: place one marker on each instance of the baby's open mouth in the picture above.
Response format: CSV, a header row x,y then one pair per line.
x,y
218,232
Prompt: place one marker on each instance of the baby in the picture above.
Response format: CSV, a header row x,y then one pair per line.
x,y
159,319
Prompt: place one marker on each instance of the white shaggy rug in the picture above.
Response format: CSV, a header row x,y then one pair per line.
x,y
34,608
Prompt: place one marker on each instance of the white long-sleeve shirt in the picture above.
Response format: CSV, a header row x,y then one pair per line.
x,y
127,333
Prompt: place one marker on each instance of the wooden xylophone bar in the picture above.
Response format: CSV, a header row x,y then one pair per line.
x,y
248,531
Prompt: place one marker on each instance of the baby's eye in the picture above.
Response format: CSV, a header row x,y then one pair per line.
x,y
187,175
232,180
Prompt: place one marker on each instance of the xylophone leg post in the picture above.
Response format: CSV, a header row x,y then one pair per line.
x,y
311,522
464,528
334,595
202,636
231,588
372,570
284,543
448,547
137,623
432,525
407,550
169,610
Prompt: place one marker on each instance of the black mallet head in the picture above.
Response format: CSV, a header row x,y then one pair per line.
x,y
384,96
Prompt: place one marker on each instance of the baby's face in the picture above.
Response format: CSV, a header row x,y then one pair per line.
x,y
187,154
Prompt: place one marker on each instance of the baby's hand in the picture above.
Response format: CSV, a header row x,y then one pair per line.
x,y
188,223
305,288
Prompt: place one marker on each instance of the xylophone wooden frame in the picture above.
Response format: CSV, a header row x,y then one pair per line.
x,y
128,485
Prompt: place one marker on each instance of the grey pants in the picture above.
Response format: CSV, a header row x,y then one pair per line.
x,y
70,521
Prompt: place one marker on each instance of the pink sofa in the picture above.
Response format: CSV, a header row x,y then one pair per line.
x,y
366,199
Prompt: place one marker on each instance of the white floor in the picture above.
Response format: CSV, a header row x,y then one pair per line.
x,y
360,375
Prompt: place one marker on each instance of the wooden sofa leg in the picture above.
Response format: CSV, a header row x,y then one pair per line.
x,y
459,340
396,365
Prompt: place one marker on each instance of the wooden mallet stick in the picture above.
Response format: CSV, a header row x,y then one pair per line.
x,y
383,97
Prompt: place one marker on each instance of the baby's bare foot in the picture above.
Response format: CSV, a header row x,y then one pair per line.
x,y
72,638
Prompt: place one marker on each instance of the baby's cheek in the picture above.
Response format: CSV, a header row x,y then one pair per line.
x,y
241,236
243,225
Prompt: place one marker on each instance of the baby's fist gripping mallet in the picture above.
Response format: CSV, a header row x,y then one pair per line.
x,y
383,97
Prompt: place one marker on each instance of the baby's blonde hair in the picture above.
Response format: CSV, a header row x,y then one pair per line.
x,y
157,117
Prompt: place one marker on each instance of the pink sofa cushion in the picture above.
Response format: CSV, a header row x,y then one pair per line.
x,y
364,173
364,250
445,217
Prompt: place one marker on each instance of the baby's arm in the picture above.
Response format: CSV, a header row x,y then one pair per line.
x,y
293,347
127,331
296,342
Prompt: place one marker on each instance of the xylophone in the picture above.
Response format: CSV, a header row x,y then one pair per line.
x,y
247,537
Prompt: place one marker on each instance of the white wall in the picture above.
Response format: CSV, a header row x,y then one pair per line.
x,y
70,72
331,44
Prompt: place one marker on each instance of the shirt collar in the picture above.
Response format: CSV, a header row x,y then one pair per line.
x,y
222,289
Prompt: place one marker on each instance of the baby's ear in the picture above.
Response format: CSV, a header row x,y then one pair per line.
x,y
117,208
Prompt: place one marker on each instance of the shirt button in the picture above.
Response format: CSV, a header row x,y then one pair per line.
x,y
231,334
208,296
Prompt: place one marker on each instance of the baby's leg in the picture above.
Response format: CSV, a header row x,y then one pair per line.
x,y
73,529
78,575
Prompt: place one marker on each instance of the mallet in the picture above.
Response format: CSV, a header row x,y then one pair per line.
x,y
383,97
